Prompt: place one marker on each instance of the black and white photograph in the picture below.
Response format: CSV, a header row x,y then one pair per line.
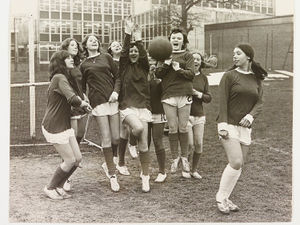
x,y
150,111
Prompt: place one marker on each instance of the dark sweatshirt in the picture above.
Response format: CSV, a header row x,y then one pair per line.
x,y
177,83
135,86
200,83
101,75
240,94
61,97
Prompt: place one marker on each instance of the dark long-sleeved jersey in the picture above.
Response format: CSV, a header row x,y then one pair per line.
x,y
200,83
240,94
135,86
177,83
61,97
101,75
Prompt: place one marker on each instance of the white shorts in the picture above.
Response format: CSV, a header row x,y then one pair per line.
x,y
243,134
142,113
159,118
78,117
58,138
178,101
194,120
106,109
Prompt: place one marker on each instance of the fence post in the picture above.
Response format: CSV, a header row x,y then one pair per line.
x,y
31,76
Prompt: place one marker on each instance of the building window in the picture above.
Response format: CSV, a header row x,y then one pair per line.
x,y
44,5
77,6
65,6
118,8
44,14
87,6
155,1
127,8
108,7
106,29
44,26
55,5
97,28
87,27
97,6
55,27
77,27
66,27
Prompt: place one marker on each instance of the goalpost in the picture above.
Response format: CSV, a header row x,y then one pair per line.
x,y
35,100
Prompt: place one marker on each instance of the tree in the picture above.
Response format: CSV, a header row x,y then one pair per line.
x,y
180,16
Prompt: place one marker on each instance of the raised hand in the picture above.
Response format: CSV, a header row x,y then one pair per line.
x,y
137,32
129,25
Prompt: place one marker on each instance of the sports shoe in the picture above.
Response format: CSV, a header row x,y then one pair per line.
x,y
185,164
63,193
232,207
114,183
160,178
196,175
186,174
223,206
123,170
132,151
104,166
145,183
174,165
67,185
52,194
116,160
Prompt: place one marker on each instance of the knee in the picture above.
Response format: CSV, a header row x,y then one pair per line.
x,y
236,164
137,130
198,147
173,128
183,128
143,146
106,142
158,142
78,160
115,141
68,164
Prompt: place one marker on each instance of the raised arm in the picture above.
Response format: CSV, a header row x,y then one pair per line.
x,y
143,58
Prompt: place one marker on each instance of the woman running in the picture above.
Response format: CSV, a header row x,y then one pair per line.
x,y
240,93
100,74
177,76
134,97
56,125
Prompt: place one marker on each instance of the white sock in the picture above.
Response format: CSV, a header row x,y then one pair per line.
x,y
228,181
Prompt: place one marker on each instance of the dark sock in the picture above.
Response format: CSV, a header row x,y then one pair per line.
x,y
114,149
184,143
145,162
108,155
61,184
161,158
78,139
132,139
196,157
173,140
122,149
58,176
149,134
190,154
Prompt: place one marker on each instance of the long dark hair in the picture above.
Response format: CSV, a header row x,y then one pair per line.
x,y
185,39
65,45
85,39
259,72
58,65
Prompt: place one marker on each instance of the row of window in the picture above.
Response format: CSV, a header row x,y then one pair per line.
x,y
108,6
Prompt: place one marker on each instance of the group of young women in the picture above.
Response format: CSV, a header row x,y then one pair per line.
x,y
132,96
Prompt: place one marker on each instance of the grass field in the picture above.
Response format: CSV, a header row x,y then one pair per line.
x,y
264,191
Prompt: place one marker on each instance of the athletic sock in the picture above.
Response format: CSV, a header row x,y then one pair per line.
x,y
228,181
173,140
114,149
196,157
58,176
122,149
145,162
61,184
190,153
161,158
132,139
78,139
184,143
108,156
